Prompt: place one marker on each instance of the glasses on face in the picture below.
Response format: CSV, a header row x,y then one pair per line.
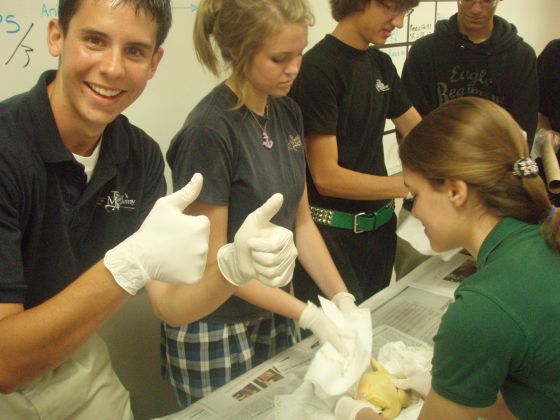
x,y
485,3
395,9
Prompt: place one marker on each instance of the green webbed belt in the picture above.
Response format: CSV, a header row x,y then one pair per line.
x,y
360,222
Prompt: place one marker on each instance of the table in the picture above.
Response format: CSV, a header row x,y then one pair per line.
x,y
409,310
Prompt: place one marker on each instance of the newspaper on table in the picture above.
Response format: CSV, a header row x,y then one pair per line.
x,y
409,311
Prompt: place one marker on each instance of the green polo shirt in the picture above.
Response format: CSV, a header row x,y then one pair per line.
x,y
502,333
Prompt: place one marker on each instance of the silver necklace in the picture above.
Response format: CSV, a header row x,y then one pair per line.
x,y
266,140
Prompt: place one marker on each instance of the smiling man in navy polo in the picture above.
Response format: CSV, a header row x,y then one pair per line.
x,y
76,178
80,228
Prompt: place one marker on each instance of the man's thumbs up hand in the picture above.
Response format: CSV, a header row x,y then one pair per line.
x,y
261,250
182,198
169,246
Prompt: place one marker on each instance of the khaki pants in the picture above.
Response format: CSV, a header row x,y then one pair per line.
x,y
83,387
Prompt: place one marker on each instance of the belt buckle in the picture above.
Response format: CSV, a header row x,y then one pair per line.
x,y
356,222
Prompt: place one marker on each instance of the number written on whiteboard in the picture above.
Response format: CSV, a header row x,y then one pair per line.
x,y
23,50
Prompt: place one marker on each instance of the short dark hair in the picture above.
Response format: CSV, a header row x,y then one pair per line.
x,y
343,8
160,10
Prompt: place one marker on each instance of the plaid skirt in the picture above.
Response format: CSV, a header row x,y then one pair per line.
x,y
200,357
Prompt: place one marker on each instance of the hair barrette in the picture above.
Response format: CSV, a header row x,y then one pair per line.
x,y
525,167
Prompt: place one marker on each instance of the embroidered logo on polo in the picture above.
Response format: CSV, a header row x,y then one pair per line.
x,y
294,143
116,201
381,87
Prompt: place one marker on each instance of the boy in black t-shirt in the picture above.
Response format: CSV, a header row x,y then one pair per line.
x,y
346,90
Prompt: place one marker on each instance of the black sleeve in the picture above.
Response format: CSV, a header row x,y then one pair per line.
x,y
155,186
314,92
15,208
523,103
400,103
548,65
416,80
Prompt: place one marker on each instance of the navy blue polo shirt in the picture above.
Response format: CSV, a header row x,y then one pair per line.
x,y
54,225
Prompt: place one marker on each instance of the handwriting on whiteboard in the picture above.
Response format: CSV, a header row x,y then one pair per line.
x,y
23,49
17,31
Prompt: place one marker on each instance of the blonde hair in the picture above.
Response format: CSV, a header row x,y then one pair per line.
x,y
237,28
477,141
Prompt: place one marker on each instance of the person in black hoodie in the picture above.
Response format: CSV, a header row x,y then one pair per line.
x,y
474,53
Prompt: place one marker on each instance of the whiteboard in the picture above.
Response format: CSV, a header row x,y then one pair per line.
x,y
181,82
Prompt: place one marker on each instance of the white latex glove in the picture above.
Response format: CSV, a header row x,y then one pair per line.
x,y
169,246
347,408
260,250
420,382
345,301
314,319
544,135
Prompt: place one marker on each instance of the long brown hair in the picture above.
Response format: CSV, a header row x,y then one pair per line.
x,y
477,141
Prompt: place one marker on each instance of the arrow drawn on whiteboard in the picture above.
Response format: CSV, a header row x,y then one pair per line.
x,y
193,7
26,48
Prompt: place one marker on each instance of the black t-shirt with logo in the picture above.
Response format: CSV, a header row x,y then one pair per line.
x,y
53,224
349,93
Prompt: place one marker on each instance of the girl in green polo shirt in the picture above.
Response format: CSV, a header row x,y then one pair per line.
x,y
497,351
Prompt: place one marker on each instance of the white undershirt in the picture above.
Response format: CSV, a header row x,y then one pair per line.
x,y
89,162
